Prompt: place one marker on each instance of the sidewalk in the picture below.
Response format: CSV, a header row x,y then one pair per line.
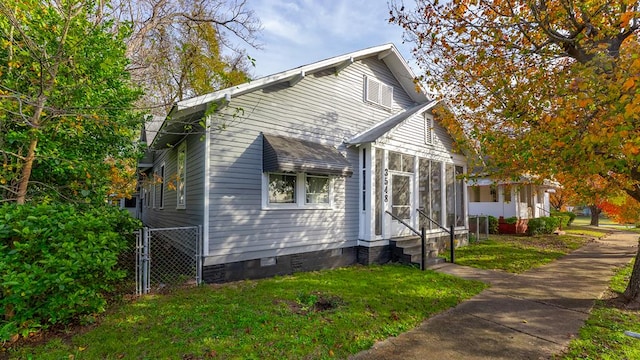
x,y
526,316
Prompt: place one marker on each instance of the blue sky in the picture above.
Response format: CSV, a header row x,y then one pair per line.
x,y
299,32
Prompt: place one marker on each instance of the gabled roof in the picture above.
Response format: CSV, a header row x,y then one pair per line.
x,y
386,125
195,107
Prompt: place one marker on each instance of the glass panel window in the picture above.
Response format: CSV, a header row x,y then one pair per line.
x,y
161,186
451,194
317,189
400,194
407,163
395,161
282,189
460,203
436,191
181,180
377,170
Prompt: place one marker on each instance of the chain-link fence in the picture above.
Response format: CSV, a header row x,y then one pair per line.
x,y
478,227
168,257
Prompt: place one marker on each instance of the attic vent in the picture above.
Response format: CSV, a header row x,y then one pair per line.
x,y
377,92
428,129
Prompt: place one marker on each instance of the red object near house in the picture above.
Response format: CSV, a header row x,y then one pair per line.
x,y
519,227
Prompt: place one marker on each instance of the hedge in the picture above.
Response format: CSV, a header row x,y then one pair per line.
x,y
57,262
542,225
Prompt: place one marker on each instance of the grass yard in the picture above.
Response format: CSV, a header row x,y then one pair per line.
x,y
516,254
586,231
602,336
317,315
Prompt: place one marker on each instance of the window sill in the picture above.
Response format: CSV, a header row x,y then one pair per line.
x,y
296,207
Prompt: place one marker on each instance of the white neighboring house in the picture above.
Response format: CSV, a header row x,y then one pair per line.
x,y
523,199
297,170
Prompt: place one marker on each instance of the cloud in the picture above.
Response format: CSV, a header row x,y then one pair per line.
x,y
298,32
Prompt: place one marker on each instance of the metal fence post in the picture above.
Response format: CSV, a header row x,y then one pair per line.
x,y
199,255
451,233
424,249
146,266
477,228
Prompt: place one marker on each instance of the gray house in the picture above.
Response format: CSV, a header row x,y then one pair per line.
x,y
297,170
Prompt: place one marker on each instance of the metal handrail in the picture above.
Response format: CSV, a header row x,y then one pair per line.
x,y
421,212
403,223
451,233
423,251
543,209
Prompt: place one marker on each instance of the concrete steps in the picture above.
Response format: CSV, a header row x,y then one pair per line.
x,y
408,250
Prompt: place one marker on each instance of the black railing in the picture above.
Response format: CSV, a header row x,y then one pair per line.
x,y
420,233
543,209
450,231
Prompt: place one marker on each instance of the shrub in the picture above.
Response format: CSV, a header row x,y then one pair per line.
x,y
493,225
57,262
511,220
571,215
564,220
543,225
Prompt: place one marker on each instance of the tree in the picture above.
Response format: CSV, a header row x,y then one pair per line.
x,y
183,48
622,209
65,100
549,87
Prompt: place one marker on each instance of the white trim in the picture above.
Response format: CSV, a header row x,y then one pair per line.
x,y
207,187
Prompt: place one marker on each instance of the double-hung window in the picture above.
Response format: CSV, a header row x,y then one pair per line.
x,y
297,190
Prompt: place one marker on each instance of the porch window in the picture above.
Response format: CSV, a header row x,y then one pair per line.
x,y
455,195
430,192
181,180
400,162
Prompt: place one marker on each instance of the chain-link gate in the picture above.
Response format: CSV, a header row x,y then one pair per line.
x,y
478,227
168,257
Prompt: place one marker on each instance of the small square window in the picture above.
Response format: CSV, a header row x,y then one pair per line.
x,y
317,189
282,188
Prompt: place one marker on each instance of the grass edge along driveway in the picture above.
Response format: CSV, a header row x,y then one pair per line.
x,y
315,315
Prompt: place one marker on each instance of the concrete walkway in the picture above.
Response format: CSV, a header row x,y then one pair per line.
x,y
526,316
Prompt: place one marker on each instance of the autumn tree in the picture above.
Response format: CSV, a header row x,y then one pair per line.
x,y
547,87
65,100
182,48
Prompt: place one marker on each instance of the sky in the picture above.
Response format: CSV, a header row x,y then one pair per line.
x,y
300,32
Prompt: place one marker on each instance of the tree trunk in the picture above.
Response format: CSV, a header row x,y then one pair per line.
x,y
595,215
26,171
632,293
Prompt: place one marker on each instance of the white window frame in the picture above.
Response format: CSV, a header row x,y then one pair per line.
x,y
181,179
428,129
300,196
377,95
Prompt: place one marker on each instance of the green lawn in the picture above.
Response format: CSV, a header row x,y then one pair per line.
x,y
602,336
315,315
586,230
516,254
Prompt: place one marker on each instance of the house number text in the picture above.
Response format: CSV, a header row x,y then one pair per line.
x,y
386,185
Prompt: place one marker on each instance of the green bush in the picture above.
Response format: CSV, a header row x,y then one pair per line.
x,y
543,225
571,215
511,220
57,262
564,220
493,225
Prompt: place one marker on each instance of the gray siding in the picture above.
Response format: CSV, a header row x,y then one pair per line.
x,y
169,215
410,136
323,107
